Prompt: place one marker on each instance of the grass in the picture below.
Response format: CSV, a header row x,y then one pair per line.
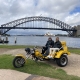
x,y
72,50
14,46
75,50
39,68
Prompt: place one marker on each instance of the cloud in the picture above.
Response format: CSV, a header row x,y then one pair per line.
x,y
58,9
73,19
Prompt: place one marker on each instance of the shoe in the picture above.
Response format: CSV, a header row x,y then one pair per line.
x,y
49,56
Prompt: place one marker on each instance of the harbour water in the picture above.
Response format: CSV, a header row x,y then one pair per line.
x,y
41,40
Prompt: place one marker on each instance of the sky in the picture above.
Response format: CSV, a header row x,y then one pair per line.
x,y
67,11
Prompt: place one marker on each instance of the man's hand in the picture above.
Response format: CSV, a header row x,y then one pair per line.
x,y
51,46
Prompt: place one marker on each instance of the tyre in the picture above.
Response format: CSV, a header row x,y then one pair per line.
x,y
62,61
18,62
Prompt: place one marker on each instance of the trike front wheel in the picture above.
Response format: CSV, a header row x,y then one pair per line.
x,y
18,62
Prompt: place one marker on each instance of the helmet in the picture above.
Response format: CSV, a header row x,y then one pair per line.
x,y
27,50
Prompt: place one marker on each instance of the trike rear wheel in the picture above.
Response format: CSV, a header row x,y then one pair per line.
x,y
62,61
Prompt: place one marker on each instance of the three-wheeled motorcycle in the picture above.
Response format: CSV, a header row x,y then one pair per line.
x,y
60,56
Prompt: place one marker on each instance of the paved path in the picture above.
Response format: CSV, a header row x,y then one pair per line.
x,y
6,74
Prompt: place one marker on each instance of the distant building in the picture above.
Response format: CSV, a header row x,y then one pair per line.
x,y
49,34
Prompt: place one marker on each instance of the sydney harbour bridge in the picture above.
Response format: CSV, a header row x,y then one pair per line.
x,y
37,22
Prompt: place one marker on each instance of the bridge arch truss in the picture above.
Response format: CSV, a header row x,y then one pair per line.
x,y
14,24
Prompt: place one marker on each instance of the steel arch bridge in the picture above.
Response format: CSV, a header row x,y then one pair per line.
x,y
15,24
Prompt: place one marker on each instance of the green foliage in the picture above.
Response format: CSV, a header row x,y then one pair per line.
x,y
37,68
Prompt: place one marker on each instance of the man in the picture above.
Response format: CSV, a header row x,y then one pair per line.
x,y
50,43
57,46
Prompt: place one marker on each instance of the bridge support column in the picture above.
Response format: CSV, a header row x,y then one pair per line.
x,y
74,33
0,31
77,33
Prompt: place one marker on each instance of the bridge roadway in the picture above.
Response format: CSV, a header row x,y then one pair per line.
x,y
64,29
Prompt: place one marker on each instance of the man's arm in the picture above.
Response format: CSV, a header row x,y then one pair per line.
x,y
52,43
46,43
59,45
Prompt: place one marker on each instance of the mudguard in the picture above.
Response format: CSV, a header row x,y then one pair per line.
x,y
20,55
58,54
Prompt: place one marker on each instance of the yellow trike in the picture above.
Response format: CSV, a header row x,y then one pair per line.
x,y
60,56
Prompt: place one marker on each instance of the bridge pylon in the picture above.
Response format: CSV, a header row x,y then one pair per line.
x,y
77,32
